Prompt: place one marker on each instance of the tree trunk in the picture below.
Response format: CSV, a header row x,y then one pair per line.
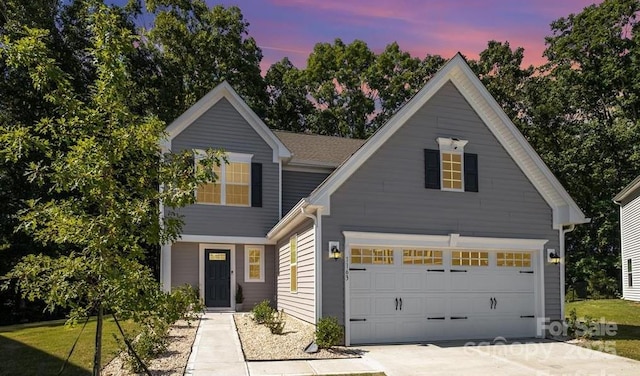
x,y
98,353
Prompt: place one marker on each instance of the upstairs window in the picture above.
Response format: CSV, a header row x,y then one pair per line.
x,y
449,168
239,182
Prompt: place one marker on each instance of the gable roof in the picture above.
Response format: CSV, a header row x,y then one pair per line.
x,y
224,90
627,191
313,150
457,71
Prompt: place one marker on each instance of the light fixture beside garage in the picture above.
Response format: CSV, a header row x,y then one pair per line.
x,y
553,257
334,250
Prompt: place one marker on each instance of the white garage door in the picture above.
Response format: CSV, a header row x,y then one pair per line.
x,y
420,294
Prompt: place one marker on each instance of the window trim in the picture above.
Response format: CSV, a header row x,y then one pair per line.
x,y
629,272
451,145
222,179
247,276
293,238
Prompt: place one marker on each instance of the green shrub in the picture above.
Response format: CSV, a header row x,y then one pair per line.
x,y
275,322
328,332
151,341
262,312
579,327
183,303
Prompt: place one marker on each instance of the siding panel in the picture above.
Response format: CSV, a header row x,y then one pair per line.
x,y
387,194
302,303
630,232
255,292
223,127
184,264
297,185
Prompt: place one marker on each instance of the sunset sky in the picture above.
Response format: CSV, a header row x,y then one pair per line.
x,y
292,27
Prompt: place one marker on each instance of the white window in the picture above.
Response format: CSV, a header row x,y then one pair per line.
x,y
293,263
233,184
451,163
254,263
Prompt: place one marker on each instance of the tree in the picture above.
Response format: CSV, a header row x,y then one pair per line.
x,y
288,106
101,162
590,95
198,48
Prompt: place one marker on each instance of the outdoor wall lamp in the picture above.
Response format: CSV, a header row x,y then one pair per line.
x,y
553,257
334,250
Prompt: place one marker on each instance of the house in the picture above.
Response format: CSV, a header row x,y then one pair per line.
x,y
629,201
440,226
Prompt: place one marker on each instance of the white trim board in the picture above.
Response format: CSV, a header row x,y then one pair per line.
x,y
456,71
223,239
224,90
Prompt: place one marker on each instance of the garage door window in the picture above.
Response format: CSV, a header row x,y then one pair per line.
x,y
516,259
421,257
371,256
469,258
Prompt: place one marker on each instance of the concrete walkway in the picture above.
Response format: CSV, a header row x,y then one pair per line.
x,y
217,351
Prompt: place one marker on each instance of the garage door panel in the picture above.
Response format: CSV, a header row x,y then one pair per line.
x,y
384,281
412,305
436,306
384,305
385,330
414,329
437,281
360,281
459,305
361,306
460,281
361,332
412,282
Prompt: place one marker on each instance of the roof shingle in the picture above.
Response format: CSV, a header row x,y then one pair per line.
x,y
318,150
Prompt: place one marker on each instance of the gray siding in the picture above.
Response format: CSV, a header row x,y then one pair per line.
x,y
255,292
630,232
223,127
184,264
387,194
297,185
300,304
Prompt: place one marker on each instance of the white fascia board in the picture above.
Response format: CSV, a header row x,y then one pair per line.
x,y
293,218
223,239
450,241
628,190
224,90
539,174
458,72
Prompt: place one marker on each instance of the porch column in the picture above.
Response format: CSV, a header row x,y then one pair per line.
x,y
165,267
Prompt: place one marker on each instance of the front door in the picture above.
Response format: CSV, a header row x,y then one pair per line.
x,y
217,276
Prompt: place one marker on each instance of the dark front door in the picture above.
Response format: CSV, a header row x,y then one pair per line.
x,y
217,278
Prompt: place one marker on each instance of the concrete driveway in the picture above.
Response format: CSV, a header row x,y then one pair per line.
x,y
527,357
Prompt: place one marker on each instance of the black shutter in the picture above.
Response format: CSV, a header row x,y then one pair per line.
x,y
256,185
431,169
470,172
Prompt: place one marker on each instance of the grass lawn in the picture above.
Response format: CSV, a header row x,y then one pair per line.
x,y
624,313
40,348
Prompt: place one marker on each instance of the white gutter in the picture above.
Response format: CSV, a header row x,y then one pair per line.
x,y
563,232
317,266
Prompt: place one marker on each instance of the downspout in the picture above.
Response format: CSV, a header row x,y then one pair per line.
x,y
563,233
317,265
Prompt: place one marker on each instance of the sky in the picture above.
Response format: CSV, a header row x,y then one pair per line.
x,y
292,27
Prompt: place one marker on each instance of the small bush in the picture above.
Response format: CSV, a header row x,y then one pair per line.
x,y
151,341
262,312
183,303
275,323
580,328
328,332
